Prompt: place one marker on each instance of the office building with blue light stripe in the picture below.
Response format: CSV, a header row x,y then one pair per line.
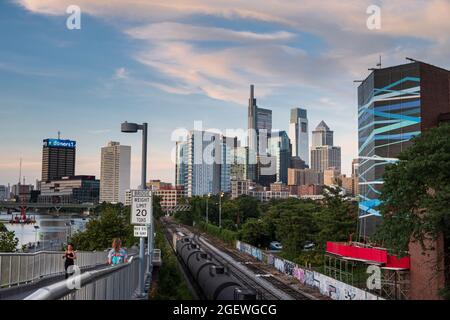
x,y
395,104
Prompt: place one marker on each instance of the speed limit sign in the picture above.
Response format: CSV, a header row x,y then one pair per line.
x,y
141,207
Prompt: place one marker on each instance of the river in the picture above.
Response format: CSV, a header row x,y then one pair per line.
x,y
49,231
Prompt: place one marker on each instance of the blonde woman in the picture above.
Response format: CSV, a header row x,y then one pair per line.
x,y
117,254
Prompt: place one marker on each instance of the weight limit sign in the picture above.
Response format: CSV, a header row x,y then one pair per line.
x,y
141,207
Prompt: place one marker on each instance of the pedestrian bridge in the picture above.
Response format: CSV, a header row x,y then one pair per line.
x,y
40,276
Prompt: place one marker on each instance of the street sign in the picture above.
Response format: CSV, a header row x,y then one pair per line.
x,y
141,207
140,231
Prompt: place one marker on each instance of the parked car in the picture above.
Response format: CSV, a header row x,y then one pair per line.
x,y
309,246
275,245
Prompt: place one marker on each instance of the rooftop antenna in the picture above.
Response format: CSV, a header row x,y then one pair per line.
x,y
379,63
20,170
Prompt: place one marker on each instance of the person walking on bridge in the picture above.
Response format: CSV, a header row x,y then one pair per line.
x,y
117,254
70,257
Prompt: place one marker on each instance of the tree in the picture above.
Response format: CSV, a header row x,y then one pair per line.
x,y
416,193
113,222
8,241
296,225
336,218
256,232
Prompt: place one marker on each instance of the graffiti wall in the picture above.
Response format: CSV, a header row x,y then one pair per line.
x,y
327,286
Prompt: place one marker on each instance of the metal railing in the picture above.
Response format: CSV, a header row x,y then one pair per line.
x,y
22,268
110,283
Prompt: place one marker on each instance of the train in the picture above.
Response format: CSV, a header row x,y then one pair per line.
x,y
211,277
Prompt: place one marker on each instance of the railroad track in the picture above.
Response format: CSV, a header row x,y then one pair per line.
x,y
262,292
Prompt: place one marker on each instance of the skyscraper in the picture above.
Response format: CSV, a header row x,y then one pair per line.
x,y
181,163
252,140
280,148
322,135
298,133
204,151
115,172
259,130
323,154
395,104
227,159
240,164
58,159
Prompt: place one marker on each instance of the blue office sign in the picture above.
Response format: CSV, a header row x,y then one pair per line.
x,y
58,143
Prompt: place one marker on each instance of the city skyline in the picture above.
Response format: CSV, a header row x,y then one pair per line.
x,y
85,82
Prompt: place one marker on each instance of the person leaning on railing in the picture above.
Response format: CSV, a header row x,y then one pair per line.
x,y
117,254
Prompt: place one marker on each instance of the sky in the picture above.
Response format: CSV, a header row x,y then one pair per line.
x,y
170,63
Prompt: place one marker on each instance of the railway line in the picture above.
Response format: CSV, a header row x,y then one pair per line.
x,y
251,276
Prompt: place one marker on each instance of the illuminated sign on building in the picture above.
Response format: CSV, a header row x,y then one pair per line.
x,y
58,143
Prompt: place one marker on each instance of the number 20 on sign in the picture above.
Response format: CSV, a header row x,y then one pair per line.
x,y
141,208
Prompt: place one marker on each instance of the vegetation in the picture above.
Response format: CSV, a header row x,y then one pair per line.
x,y
221,233
8,240
113,221
416,193
416,197
294,222
171,284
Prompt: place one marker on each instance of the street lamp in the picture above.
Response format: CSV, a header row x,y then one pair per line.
x,y
128,127
220,209
209,194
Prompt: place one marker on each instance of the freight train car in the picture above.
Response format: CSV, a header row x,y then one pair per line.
x,y
213,279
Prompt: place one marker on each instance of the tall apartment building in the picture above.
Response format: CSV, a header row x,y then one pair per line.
x,y
298,134
323,154
204,153
228,147
396,104
58,159
280,149
181,160
115,172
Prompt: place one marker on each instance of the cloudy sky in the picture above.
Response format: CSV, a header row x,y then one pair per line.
x,y
171,63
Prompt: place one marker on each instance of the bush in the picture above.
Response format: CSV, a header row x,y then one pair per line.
x,y
226,235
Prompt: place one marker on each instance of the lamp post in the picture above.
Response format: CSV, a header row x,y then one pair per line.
x,y
128,127
220,209
209,194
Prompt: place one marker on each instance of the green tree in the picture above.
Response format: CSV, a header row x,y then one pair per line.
x,y
256,232
8,241
113,222
336,218
296,226
416,193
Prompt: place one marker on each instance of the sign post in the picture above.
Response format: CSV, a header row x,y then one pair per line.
x,y
141,218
